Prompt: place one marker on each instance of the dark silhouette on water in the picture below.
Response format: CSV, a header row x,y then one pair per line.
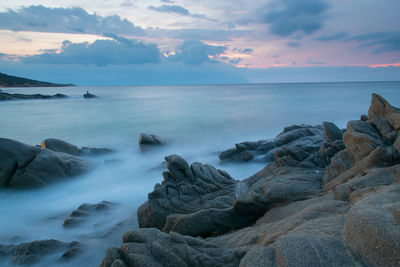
x,y
89,95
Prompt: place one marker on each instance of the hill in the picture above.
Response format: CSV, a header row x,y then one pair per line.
x,y
13,81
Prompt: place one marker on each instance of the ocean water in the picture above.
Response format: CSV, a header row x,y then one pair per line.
x,y
195,121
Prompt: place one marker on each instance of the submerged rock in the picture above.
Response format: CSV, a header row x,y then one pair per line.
x,y
84,211
89,95
149,140
65,147
25,166
38,251
7,96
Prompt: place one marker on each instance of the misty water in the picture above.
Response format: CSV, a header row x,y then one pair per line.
x,y
195,121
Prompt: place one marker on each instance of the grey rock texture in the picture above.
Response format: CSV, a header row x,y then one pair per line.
x,y
326,199
37,251
24,166
84,211
309,137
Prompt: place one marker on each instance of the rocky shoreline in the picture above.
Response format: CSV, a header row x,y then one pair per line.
x,y
326,197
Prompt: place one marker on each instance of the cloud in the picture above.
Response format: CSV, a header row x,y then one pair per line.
x,y
167,1
175,9
312,62
119,51
65,20
194,52
332,37
380,41
243,51
293,44
198,34
286,17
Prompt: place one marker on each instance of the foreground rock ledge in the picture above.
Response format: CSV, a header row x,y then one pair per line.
x,y
331,199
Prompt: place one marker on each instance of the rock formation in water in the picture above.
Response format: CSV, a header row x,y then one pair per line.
x,y
24,166
89,95
65,147
328,198
8,96
81,214
149,140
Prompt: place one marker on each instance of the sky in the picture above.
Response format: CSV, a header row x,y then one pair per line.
x,y
129,42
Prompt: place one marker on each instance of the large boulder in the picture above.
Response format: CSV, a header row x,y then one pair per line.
x,y
372,228
26,166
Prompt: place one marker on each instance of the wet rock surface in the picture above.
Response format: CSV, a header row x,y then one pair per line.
x,y
146,141
25,166
328,198
84,212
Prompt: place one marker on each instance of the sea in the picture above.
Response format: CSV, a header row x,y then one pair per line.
x,y
196,122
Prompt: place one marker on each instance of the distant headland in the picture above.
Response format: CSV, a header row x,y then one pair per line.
x,y
13,81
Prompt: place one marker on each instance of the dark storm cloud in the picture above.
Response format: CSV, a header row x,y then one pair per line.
x,y
119,51
243,51
286,17
65,20
194,52
380,41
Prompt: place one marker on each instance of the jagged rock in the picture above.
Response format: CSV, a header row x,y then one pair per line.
x,y
360,139
85,210
372,228
309,137
364,117
151,247
331,131
34,252
60,146
186,190
26,166
148,140
380,107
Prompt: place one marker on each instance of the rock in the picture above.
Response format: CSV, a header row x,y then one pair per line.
x,y
65,147
25,166
34,252
360,139
7,96
372,228
60,146
151,247
186,189
85,210
331,131
380,107
89,95
148,140
364,117
293,136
